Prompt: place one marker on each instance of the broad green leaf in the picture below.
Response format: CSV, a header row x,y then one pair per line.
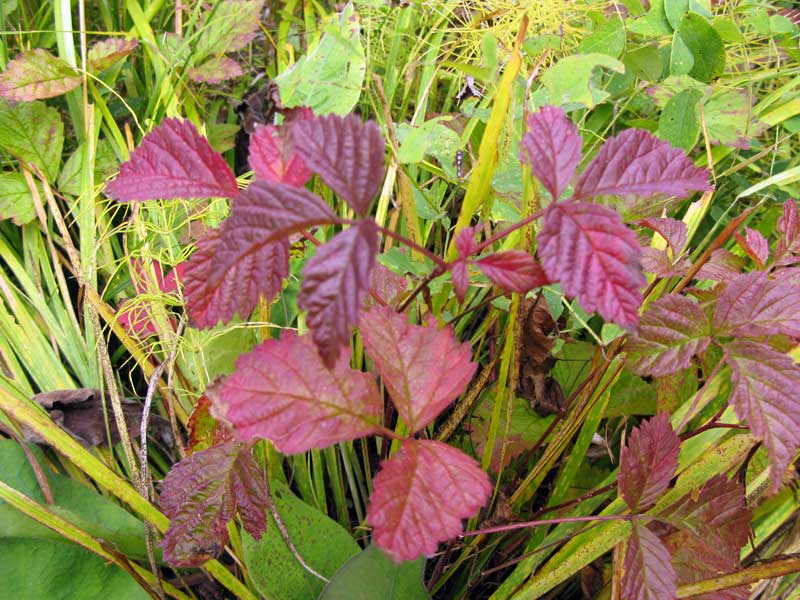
x,y
34,133
609,39
16,202
371,575
324,545
645,63
679,123
674,10
705,45
730,118
105,164
415,142
37,74
330,77
681,60
571,82
654,23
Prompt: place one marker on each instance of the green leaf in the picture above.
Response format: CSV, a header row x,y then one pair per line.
x,y
706,47
16,202
227,27
681,60
730,118
645,63
34,133
675,9
371,575
323,543
571,82
728,30
680,120
37,74
414,141
654,23
105,164
330,77
609,39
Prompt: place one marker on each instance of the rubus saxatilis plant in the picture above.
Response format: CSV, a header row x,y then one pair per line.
x,y
300,391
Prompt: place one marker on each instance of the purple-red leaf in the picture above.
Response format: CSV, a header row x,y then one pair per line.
x,y
513,271
636,163
421,495
722,266
658,262
671,331
386,284
283,392
648,462
754,305
552,147
459,273
423,367
672,230
173,161
347,154
273,158
789,227
37,74
595,256
106,52
647,571
334,282
755,245
764,395
465,241
201,494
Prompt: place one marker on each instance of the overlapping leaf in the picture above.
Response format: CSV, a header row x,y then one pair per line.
x,y
109,51
202,493
513,271
589,250
420,496
722,266
754,305
283,392
273,158
347,154
671,331
636,163
647,571
788,247
764,395
335,281
673,231
423,367
755,245
37,74
459,271
173,161
552,147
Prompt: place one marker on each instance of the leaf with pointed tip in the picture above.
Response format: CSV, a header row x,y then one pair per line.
x,y
465,241
764,396
273,158
201,494
658,262
173,161
33,132
215,69
228,26
347,154
588,249
109,51
753,305
459,273
755,246
647,571
789,242
673,231
283,392
552,147
671,331
335,280
723,265
636,163
421,494
220,284
648,462
423,367
513,271
37,74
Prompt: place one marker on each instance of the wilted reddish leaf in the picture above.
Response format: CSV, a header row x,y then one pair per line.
x,y
789,242
672,230
513,271
37,74
648,462
671,331
335,281
283,392
387,284
423,367
764,395
347,154
589,250
201,494
754,305
273,158
722,266
647,570
421,495
106,52
173,161
636,163
215,69
552,147
219,284
204,430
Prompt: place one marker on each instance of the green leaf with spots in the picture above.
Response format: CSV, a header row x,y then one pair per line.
x,y
706,47
681,60
34,133
680,120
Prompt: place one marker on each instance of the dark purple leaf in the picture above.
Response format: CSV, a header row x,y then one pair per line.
x,y
673,231
788,247
589,250
722,266
173,161
334,282
636,163
513,271
272,156
347,154
754,305
552,147
647,571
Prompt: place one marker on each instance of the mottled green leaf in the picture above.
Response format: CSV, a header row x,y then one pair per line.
x,y
37,74
16,202
34,133
608,38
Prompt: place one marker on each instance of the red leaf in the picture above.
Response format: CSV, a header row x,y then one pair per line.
x,y
764,395
459,273
755,246
283,392
273,158
420,496
347,154
423,367
671,331
219,284
647,571
465,241
672,230
334,282
552,147
201,494
658,262
754,305
173,161
648,462
722,266
37,74
635,163
789,227
106,52
589,250
386,284
513,271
